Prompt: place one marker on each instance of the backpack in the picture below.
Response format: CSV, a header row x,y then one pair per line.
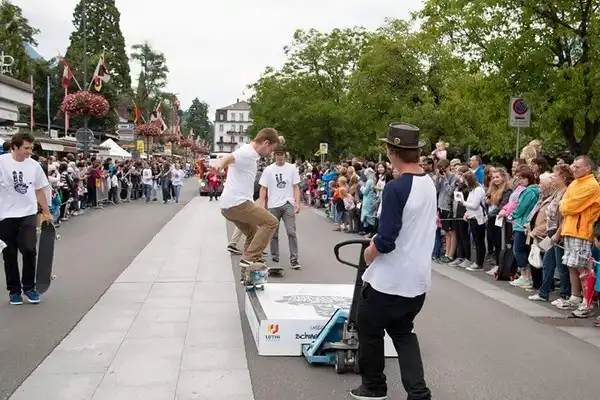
x,y
507,266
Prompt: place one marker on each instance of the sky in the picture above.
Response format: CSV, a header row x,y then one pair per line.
x,y
214,49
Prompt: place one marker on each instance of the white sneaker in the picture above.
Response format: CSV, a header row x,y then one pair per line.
x,y
474,267
583,311
537,297
517,282
559,302
493,271
456,262
573,302
465,264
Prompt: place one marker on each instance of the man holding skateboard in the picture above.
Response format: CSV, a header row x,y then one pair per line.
x,y
399,272
280,193
236,202
22,183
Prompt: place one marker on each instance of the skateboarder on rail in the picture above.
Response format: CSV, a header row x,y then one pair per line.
x,y
22,183
280,193
236,202
399,272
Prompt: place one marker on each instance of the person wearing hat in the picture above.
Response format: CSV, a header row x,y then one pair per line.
x,y
399,272
280,194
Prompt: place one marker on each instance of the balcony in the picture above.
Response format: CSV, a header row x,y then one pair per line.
x,y
223,142
230,132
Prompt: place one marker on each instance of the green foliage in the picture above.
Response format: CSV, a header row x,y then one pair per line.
x,y
14,32
152,78
453,78
196,118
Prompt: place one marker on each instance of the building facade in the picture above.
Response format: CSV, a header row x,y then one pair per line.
x,y
231,127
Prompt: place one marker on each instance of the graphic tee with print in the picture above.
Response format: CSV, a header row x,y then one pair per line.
x,y
239,185
18,183
280,181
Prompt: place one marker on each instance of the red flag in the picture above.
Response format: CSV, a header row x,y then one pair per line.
x,y
137,116
67,74
100,74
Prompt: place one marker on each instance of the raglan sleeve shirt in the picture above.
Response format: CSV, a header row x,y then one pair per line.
x,y
394,197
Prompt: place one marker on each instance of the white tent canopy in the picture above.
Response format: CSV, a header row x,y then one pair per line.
x,y
115,151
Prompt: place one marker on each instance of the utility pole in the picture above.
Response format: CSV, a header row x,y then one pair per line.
x,y
86,138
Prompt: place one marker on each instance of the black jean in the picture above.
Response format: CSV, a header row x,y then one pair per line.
x,y
19,234
478,232
463,240
379,312
494,238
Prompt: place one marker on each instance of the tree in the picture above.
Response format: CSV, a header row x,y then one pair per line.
x,y
306,100
153,75
14,32
197,119
547,52
102,27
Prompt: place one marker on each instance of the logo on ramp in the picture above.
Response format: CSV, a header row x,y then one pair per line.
x,y
273,329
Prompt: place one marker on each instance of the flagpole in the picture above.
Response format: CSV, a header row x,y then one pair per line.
x,y
48,101
85,74
31,116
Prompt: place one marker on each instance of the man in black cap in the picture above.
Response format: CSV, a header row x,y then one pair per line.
x,y
399,272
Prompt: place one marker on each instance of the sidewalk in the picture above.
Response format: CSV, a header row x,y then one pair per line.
x,y
168,328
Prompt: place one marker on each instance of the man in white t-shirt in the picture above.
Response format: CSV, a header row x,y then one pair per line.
x,y
236,202
280,193
22,183
147,181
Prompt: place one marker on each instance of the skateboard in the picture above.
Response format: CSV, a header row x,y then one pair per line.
x,y
44,276
276,271
254,279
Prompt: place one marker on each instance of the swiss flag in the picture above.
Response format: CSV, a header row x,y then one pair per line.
x,y
67,74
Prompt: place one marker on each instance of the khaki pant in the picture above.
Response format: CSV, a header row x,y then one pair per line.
x,y
256,223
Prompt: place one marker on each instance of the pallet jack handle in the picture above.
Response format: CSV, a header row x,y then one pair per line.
x,y
360,269
364,244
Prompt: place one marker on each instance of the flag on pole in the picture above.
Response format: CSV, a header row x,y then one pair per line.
x,y
157,119
31,118
137,113
100,74
48,101
67,74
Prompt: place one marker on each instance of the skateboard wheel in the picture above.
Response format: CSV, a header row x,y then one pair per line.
x,y
53,277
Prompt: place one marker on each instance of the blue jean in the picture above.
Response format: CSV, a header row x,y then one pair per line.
x,y
521,249
177,190
147,190
437,248
551,261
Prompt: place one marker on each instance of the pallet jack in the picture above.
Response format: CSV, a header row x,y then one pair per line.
x,y
337,343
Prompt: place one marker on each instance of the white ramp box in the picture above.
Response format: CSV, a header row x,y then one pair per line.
x,y
285,316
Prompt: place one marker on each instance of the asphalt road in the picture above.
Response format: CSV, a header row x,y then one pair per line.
x,y
473,347
93,251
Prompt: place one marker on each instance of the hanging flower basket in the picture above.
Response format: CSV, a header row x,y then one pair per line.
x,y
185,143
85,103
148,129
171,138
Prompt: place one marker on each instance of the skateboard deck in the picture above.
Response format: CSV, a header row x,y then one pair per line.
x,y
275,271
253,279
45,259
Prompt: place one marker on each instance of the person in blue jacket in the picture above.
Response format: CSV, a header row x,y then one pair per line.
x,y
478,169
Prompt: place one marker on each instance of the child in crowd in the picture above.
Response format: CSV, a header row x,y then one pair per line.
x,y
440,150
350,211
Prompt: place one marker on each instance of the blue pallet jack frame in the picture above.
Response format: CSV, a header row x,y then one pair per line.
x,y
337,343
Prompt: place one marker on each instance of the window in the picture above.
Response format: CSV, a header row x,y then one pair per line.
x,y
240,117
220,148
233,116
220,139
221,126
232,129
241,128
220,117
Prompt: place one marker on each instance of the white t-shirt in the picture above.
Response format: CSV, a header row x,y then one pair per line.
x,y
280,181
239,184
177,176
18,183
147,176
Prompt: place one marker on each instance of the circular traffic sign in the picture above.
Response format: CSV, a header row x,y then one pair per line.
x,y
520,107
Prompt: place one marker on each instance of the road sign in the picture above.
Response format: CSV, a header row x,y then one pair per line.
x,y
323,147
83,135
520,113
140,146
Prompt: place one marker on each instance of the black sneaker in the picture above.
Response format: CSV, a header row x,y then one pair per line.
x,y
234,250
275,260
295,265
362,393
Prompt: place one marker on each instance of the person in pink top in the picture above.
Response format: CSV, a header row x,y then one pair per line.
x,y
440,150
